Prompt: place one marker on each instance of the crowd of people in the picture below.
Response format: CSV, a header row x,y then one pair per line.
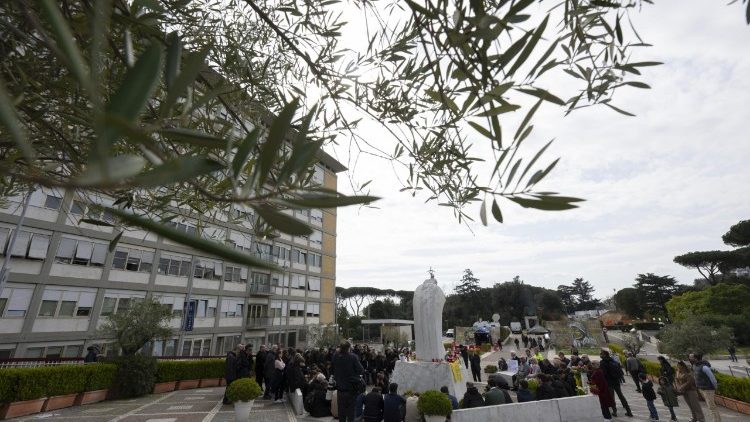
x,y
334,381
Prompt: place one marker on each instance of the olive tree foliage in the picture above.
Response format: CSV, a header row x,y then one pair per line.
x,y
167,105
680,339
144,321
632,343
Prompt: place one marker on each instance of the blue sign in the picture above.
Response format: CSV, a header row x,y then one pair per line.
x,y
190,308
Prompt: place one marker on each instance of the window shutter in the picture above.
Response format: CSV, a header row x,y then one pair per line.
x,y
100,254
51,294
3,239
219,269
39,246
20,299
243,273
67,248
86,300
84,250
22,244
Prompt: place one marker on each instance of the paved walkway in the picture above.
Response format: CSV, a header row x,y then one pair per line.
x,y
199,405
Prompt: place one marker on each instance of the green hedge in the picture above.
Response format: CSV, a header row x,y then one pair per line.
x,y
490,369
652,368
19,384
178,370
733,387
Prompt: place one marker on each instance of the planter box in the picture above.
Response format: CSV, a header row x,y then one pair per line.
x,y
22,408
59,402
733,404
210,382
164,387
222,382
188,384
88,397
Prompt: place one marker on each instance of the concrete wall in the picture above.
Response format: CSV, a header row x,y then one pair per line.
x,y
569,409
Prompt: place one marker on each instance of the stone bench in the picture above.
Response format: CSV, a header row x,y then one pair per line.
x,y
569,409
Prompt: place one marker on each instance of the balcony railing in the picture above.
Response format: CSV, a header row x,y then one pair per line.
x,y
253,322
260,288
266,257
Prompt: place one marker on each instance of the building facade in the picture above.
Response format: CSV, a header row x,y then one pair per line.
x,y
64,281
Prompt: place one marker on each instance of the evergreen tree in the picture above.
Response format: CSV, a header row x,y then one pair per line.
x,y
655,291
468,284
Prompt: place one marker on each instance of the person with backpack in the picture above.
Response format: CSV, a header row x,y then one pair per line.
x,y
634,368
613,374
706,382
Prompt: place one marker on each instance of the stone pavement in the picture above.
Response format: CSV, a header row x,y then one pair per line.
x,y
199,405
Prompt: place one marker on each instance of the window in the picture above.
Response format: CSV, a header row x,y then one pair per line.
x,y
263,250
72,351
235,274
174,265
316,237
38,246
4,236
78,208
281,253
316,215
34,352
225,344
118,302
6,353
21,246
14,301
133,260
196,347
27,245
296,309
297,281
174,304
313,309
210,270
313,284
81,252
54,352
53,202
183,227
66,303
277,309
206,308
231,307
314,260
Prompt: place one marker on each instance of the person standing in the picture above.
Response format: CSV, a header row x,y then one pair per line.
x,y
347,371
476,366
499,345
465,355
269,372
243,363
230,370
647,389
706,383
260,361
633,365
668,396
278,377
666,369
685,385
600,388
732,352
613,373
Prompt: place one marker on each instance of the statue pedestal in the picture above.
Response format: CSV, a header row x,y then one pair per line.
x,y
422,376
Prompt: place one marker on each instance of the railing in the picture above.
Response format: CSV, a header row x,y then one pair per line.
x,y
264,288
259,322
739,371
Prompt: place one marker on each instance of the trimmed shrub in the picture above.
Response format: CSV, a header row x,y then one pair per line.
x,y
32,383
8,381
100,376
67,379
168,370
616,348
433,402
733,387
135,376
490,369
485,347
243,389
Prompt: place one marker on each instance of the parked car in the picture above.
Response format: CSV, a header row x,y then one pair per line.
x,y
515,327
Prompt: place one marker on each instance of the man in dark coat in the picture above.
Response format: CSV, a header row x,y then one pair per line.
x,y
243,363
230,371
346,372
260,361
465,355
373,406
613,373
269,371
472,398
476,367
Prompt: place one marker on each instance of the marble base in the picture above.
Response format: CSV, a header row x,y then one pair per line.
x,y
422,376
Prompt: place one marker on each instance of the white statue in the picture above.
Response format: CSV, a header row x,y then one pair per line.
x,y
428,320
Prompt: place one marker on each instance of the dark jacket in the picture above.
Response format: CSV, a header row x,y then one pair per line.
x,y
260,361
561,389
394,407
465,356
612,370
494,396
666,370
315,402
295,377
647,389
374,404
243,365
90,357
269,369
230,369
476,362
524,395
472,398
454,401
702,381
668,395
346,371
545,391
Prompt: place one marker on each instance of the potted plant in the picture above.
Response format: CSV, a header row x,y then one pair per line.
x,y
167,374
29,393
63,385
434,405
490,369
101,376
242,393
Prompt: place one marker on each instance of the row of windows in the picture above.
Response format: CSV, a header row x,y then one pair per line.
x,y
281,308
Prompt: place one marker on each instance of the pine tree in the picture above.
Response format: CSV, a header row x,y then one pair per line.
x,y
468,284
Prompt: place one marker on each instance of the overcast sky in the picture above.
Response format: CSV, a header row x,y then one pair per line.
x,y
671,180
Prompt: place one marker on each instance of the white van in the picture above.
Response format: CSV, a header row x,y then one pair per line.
x,y
515,327
450,333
